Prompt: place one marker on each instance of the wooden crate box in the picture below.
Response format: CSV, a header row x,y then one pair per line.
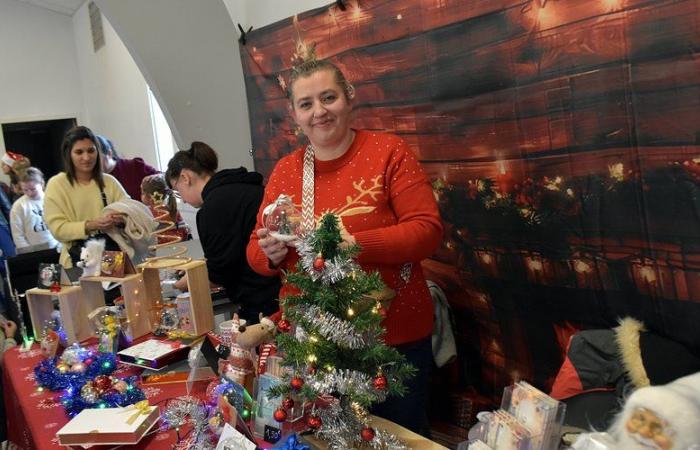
x,y
75,305
201,308
137,303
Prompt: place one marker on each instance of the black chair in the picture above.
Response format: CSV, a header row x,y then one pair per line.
x,y
23,273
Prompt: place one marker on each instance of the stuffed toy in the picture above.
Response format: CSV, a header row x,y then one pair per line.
x,y
91,257
663,417
262,336
251,336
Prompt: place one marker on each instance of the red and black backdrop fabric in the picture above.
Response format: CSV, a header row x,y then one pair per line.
x,y
562,138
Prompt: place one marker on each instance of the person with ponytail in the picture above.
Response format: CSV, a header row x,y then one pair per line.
x,y
376,186
156,194
228,201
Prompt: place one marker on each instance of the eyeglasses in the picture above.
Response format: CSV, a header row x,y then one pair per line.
x,y
175,190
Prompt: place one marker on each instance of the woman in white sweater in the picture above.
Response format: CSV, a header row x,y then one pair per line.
x,y
27,214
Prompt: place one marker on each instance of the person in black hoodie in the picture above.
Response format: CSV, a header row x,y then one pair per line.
x,y
228,201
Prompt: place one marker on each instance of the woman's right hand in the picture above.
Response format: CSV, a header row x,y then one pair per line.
x,y
100,224
274,249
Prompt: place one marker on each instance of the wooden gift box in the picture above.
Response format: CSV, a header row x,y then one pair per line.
x,y
107,426
201,308
74,306
137,303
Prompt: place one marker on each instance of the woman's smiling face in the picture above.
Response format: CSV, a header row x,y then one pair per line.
x,y
321,108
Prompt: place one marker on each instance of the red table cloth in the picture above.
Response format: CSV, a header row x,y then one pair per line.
x,y
34,417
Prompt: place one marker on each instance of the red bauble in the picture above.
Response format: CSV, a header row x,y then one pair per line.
x,y
314,422
280,415
284,325
382,312
288,403
102,383
367,434
297,383
319,262
379,382
87,362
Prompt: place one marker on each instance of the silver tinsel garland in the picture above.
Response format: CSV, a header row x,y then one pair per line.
x,y
333,270
341,429
188,410
330,327
345,381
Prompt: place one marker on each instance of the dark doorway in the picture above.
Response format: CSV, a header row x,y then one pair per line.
x,y
39,141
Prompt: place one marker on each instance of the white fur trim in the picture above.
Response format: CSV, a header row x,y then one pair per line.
x,y
627,337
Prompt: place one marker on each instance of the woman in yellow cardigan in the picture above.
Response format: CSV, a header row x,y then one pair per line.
x,y
75,198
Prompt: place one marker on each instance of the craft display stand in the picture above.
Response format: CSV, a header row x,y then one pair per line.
x,y
201,307
74,304
137,302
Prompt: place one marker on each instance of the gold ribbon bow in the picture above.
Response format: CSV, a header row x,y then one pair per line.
x,y
141,407
180,334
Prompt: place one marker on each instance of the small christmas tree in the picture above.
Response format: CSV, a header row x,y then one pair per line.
x,y
337,348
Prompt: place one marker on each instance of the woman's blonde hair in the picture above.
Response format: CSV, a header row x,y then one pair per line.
x,y
313,65
32,175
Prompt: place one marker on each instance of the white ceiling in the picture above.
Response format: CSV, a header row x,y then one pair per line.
x,y
67,7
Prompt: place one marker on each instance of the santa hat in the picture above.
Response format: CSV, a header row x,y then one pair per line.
x,y
678,403
10,158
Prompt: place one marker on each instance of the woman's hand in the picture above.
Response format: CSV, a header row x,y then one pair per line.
x,y
100,224
181,284
119,219
274,249
10,328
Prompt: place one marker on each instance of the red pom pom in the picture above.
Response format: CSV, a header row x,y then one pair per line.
x,y
288,403
367,434
297,383
102,382
314,422
280,415
380,382
319,262
284,325
87,362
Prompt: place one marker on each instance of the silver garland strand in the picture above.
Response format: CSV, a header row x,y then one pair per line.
x,y
332,328
341,429
184,410
345,381
333,271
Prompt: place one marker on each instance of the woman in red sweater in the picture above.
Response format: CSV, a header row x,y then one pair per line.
x,y
374,183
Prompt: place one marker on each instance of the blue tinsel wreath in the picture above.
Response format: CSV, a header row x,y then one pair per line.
x,y
48,376
73,402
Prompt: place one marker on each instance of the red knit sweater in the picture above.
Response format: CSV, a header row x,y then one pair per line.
x,y
382,196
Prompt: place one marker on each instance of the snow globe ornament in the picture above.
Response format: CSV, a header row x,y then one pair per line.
x,y
282,219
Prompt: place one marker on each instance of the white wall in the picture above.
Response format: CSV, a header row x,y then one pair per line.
x,y
114,91
264,12
39,77
187,51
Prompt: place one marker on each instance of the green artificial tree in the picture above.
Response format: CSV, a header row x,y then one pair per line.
x,y
336,347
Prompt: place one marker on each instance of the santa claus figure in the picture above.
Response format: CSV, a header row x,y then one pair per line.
x,y
663,417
